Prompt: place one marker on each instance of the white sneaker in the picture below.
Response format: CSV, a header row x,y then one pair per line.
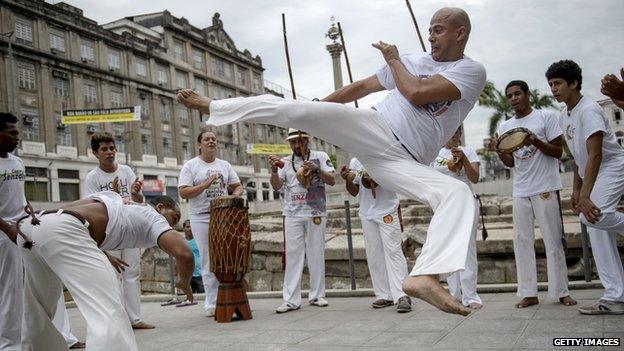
x,y
286,307
320,302
210,312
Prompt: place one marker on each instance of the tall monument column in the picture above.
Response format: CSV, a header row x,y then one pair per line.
x,y
335,50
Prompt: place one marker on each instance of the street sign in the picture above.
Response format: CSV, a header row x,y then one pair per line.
x,y
268,149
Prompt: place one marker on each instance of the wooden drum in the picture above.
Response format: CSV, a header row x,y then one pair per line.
x,y
230,255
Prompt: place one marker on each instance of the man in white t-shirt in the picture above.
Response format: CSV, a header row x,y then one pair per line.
x,y
111,176
12,202
536,183
305,217
598,180
203,179
430,96
68,250
462,163
382,237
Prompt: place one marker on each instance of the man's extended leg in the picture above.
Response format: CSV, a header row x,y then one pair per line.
x,y
11,291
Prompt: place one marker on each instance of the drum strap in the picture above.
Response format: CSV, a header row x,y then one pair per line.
x,y
484,233
563,239
400,217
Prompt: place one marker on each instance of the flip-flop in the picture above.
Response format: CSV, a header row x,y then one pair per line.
x,y
173,301
186,304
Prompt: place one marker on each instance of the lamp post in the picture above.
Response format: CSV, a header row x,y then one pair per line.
x,y
335,50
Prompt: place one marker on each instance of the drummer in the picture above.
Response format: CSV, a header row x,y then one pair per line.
x,y
202,179
536,185
304,218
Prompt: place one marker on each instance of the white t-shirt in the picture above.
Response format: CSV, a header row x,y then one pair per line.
x,y
445,155
386,202
97,180
12,198
299,201
196,171
130,225
423,130
585,119
534,172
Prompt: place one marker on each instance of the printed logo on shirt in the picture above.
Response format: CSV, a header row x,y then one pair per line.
x,y
317,220
569,133
525,153
545,196
329,163
388,219
124,189
435,109
217,187
13,174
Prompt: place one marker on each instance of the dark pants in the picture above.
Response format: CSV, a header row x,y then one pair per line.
x,y
197,286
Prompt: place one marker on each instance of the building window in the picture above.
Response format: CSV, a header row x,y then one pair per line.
x,y
26,75
221,68
167,144
171,184
114,60
90,91
165,110
60,87
146,142
144,101
87,50
178,50
162,75
182,79
141,67
184,115
69,184
241,76
63,132
23,31
120,139
36,187
30,121
186,149
200,87
198,59
57,40
116,97
221,92
256,83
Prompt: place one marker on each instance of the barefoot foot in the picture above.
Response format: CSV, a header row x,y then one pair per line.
x,y
527,301
429,289
143,325
567,301
192,100
475,305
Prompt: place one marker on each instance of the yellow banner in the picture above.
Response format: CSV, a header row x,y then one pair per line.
x,y
121,114
268,149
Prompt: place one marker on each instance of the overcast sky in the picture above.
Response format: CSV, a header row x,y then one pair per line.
x,y
513,39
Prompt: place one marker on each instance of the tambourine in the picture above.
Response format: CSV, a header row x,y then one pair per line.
x,y
305,177
512,140
369,183
454,165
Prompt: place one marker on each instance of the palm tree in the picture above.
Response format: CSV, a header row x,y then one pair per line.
x,y
493,98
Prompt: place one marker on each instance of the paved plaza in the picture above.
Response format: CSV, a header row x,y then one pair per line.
x,y
351,324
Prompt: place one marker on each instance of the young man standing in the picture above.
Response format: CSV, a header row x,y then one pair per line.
x,y
196,282
382,238
536,183
305,217
12,202
67,250
464,163
111,176
598,180
429,96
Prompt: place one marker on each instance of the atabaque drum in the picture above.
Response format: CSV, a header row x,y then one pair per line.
x,y
229,241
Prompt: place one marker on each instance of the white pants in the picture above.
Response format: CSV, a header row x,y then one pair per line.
x,y
365,134
11,295
211,283
386,263
463,284
61,322
65,254
546,210
608,263
131,282
304,240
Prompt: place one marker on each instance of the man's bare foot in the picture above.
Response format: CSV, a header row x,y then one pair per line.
x,y
143,325
429,289
527,301
567,301
192,100
475,305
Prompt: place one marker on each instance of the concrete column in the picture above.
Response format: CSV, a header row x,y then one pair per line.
x,y
335,50
54,184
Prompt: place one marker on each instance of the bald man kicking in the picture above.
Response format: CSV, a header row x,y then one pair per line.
x,y
430,96
67,250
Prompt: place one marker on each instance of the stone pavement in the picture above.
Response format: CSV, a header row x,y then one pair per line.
x,y
350,324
